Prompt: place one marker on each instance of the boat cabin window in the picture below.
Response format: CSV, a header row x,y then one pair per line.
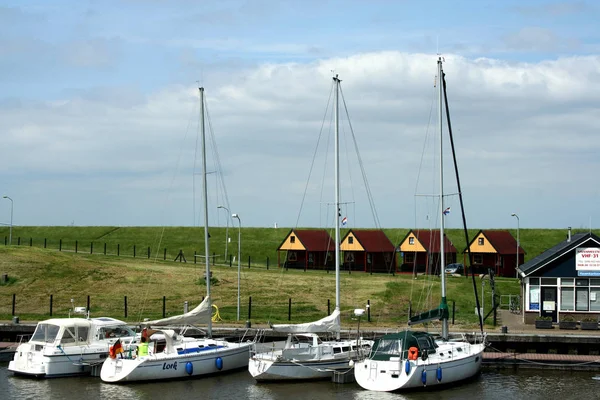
x,y
114,332
73,334
45,333
393,346
426,343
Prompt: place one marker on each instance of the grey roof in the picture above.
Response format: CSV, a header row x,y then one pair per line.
x,y
554,252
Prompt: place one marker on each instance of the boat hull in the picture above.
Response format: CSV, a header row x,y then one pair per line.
x,y
162,366
264,370
43,363
387,376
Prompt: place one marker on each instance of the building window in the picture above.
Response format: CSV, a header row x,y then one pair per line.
x,y
311,257
478,259
411,240
350,257
534,294
292,256
480,241
409,258
567,299
292,239
350,240
582,299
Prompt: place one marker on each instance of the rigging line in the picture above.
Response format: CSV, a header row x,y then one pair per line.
x,y
423,150
159,237
361,164
325,174
462,208
217,158
314,156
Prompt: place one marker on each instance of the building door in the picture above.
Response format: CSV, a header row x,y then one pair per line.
x,y
548,300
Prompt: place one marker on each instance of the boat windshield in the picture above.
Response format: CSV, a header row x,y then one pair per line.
x,y
389,347
110,332
45,333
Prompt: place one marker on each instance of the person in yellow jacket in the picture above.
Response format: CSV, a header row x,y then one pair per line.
x,y
142,349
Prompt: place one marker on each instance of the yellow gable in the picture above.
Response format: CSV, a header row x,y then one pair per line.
x,y
481,245
292,243
411,244
354,246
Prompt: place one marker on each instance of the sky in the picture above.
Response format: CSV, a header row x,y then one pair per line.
x,y
99,111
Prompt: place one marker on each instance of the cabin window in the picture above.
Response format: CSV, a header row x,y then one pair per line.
x,y
45,333
409,258
411,240
350,240
292,256
478,258
292,239
480,241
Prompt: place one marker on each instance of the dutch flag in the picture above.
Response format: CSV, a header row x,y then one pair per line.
x,y
446,211
344,221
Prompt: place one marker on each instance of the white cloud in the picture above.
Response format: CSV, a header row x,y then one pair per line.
x,y
525,133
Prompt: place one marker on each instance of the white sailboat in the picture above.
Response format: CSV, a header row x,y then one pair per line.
x,y
304,355
62,347
412,359
174,356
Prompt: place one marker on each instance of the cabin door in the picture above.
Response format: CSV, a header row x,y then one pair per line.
x,y
548,295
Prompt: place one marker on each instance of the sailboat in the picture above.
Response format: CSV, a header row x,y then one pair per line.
x,y
304,355
172,355
414,359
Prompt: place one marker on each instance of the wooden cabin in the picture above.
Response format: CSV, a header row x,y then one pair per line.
x,y
421,252
368,251
496,250
564,281
307,249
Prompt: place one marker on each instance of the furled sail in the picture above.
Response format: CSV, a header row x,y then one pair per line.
x,y
199,315
330,323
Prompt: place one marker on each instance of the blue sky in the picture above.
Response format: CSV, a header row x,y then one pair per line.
x,y
97,103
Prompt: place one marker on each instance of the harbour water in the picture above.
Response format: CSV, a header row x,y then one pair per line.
x,y
502,385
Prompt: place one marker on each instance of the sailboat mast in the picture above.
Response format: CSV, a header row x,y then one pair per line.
x,y
205,203
441,213
337,195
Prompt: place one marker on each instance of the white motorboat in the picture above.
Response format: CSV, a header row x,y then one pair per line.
x,y
69,346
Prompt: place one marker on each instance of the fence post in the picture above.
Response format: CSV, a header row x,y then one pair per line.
x,y
88,303
19,241
104,248
30,242
328,307
164,306
195,256
148,252
249,308
165,256
60,245
92,248
76,243
134,251
14,303
50,305
230,259
125,300
267,262
248,261
290,309
44,242
369,310
118,249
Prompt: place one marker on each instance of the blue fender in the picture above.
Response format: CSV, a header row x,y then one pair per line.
x,y
189,368
219,363
424,377
407,367
439,373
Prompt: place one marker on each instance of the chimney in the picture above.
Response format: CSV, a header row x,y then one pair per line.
x,y
568,234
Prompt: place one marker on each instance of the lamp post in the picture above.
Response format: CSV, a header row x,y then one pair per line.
x,y
226,230
236,216
518,244
11,219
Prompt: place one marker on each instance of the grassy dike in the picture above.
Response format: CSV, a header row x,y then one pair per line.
x,y
36,273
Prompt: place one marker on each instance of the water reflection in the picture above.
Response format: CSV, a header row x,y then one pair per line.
x,y
525,385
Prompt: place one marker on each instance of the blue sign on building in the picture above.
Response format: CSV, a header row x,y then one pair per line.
x,y
588,273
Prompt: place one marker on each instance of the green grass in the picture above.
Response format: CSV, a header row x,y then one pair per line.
x,y
35,274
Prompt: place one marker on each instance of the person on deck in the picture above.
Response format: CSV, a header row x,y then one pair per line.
x,y
142,349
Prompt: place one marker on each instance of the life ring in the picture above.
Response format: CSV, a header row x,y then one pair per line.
x,y
413,353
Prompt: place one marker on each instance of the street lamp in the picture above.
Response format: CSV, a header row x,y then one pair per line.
x,y
236,216
226,230
11,219
518,245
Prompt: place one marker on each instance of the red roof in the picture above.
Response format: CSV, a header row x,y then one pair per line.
x,y
430,239
372,240
313,239
502,241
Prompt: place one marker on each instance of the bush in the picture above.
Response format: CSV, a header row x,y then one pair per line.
x,y
568,318
541,318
